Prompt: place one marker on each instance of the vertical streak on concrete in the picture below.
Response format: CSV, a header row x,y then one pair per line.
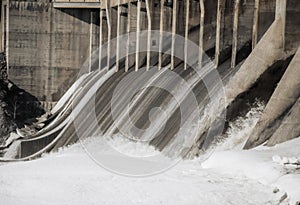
x,y
161,29
218,32
149,34
2,27
50,56
91,41
255,24
7,38
128,31
187,16
235,32
138,23
100,37
118,34
201,34
174,22
108,33
281,13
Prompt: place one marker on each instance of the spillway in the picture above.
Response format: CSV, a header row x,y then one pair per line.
x,y
178,105
95,105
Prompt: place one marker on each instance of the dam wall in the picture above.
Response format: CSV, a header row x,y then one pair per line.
x,y
47,46
46,42
229,31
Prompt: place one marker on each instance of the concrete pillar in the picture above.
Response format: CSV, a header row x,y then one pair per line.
x,y
235,33
267,52
201,33
161,29
7,37
255,24
118,34
281,14
174,24
91,40
148,10
2,27
289,128
218,32
108,32
138,29
128,31
187,16
100,37
285,95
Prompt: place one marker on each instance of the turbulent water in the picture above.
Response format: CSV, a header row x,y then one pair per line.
x,y
149,147
179,112
233,139
231,177
169,110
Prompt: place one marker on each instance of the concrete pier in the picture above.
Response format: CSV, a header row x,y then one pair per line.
x,y
48,41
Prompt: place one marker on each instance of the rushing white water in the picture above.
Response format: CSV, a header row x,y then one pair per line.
x,y
240,129
228,177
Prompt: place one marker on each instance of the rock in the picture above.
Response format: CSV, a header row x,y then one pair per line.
x,y
283,197
12,137
9,86
293,160
275,190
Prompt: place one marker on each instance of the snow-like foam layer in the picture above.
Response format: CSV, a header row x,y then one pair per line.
x,y
132,148
71,177
230,176
121,144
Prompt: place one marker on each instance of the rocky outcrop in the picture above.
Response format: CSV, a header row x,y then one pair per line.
x,y
7,124
17,107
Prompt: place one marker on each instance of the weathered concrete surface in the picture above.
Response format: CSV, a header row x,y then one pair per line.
x,y
266,16
77,3
113,3
289,128
292,29
267,51
47,46
17,107
285,95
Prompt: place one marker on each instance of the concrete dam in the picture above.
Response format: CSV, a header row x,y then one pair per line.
x,y
170,73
